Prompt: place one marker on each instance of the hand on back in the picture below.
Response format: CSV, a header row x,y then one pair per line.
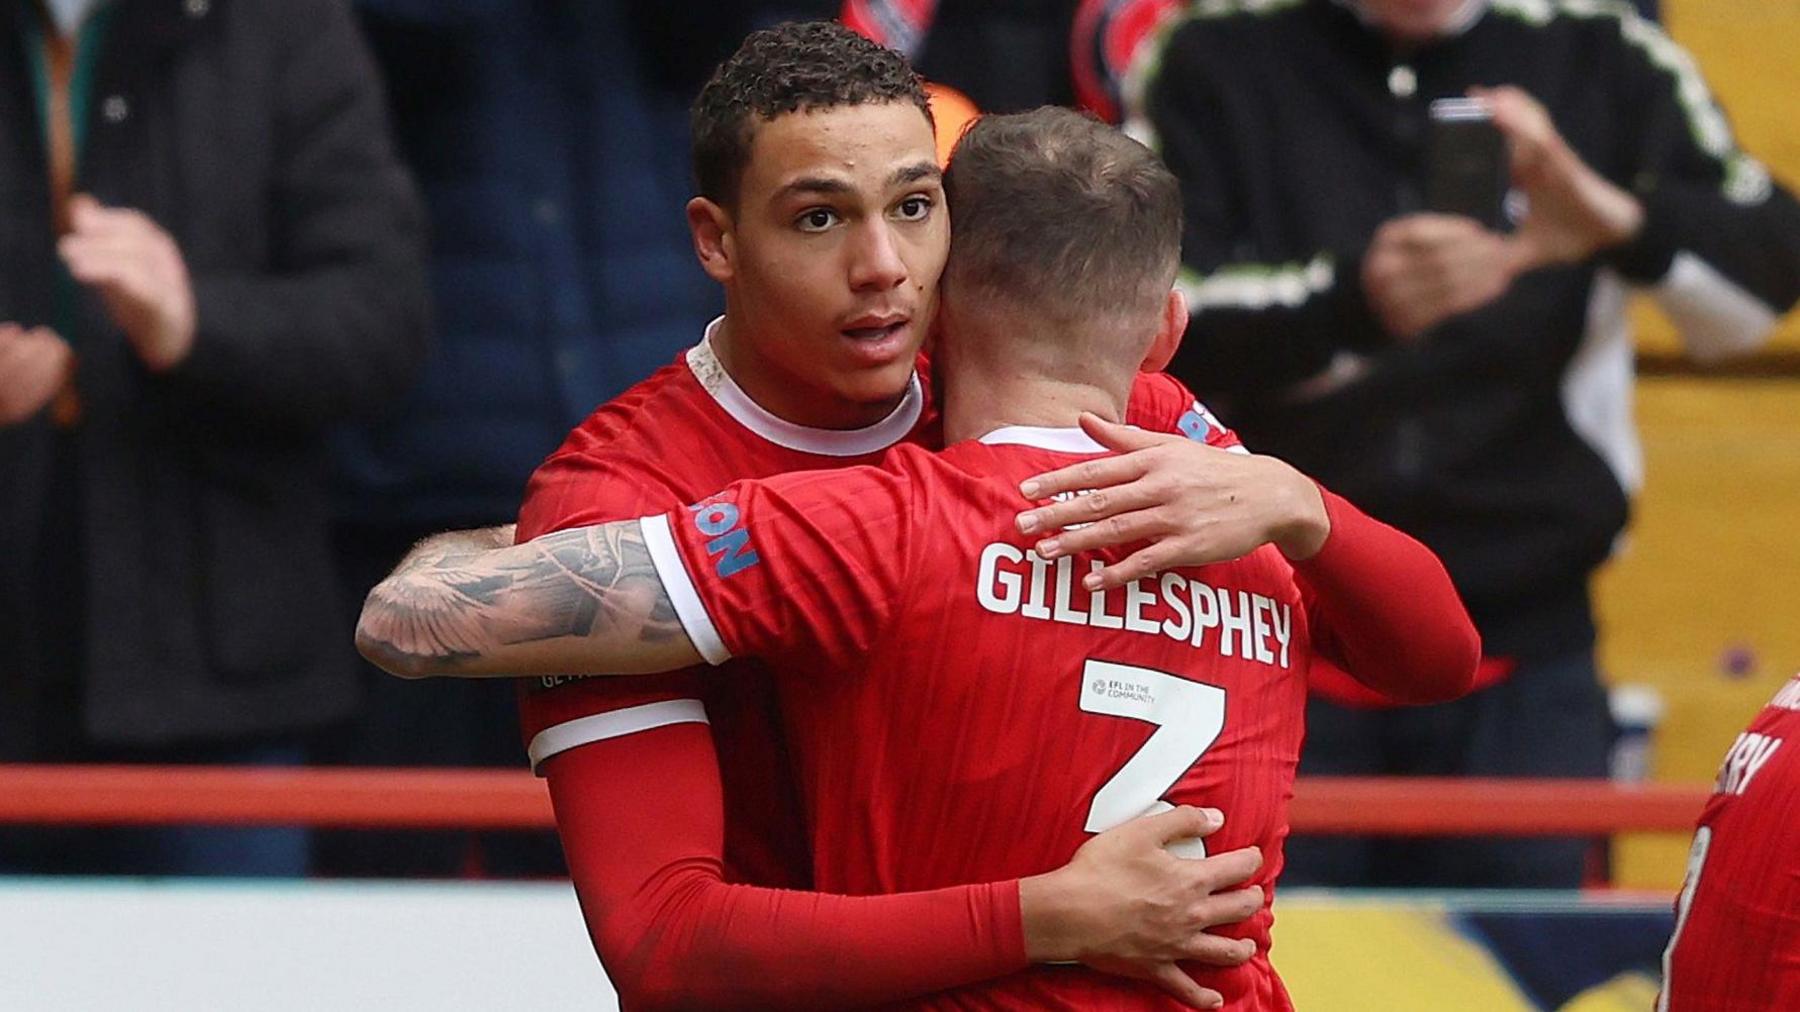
x,y
1125,905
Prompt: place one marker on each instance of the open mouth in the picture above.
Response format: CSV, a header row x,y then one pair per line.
x,y
875,331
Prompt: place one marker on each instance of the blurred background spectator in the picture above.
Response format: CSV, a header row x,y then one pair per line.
x,y
1470,386
1005,55
214,255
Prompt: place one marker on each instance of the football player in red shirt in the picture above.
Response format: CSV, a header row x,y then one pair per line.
x,y
960,707
822,218
1736,944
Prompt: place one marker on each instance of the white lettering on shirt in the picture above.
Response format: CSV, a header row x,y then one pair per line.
x,y
1255,627
1745,759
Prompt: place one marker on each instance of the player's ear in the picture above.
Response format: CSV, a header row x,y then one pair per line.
x,y
714,245
1169,331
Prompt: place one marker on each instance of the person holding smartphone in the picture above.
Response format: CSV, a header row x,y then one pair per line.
x,y
1466,380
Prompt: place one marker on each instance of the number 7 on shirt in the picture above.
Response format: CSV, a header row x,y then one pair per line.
x,y
1188,716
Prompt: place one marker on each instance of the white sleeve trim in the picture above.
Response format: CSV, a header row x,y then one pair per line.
x,y
675,580
614,724
1717,318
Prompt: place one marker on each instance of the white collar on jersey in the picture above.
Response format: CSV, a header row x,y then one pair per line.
x,y
1044,438
706,367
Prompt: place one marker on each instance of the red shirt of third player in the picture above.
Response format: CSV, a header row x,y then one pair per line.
x,y
1736,944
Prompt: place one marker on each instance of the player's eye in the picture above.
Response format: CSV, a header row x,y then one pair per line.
x,y
914,208
816,219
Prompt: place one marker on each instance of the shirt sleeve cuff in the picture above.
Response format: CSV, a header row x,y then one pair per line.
x,y
611,724
689,609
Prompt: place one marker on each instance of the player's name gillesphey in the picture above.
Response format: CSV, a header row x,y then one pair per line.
x,y
1751,751
1245,624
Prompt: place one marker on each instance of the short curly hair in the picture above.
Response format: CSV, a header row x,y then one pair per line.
x,y
790,67
1059,212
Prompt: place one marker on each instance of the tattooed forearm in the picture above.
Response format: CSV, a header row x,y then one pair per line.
x,y
583,601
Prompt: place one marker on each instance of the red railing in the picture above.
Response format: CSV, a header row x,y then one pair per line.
x,y
509,799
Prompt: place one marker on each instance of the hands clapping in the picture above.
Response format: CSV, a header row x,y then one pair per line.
x,y
139,272
34,364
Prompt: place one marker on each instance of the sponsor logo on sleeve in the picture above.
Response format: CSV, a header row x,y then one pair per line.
x,y
730,545
1198,423
1195,423
1202,426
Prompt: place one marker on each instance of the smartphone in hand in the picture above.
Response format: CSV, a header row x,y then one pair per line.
x,y
1466,169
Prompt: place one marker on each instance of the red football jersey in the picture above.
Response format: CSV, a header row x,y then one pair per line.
x,y
961,711
1736,943
684,433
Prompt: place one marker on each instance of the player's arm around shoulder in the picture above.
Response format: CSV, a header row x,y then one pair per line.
x,y
1193,500
470,603
1384,611
1193,504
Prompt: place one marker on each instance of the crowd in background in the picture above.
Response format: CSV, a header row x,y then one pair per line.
x,y
288,286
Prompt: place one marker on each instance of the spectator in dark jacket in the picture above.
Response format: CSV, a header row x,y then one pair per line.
x,y
210,255
1469,385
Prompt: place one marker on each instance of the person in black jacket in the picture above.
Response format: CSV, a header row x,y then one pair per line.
x,y
1470,386
210,255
